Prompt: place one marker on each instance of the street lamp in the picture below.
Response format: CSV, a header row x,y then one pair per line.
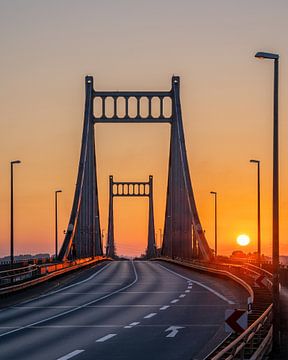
x,y
258,209
12,163
215,202
275,235
56,222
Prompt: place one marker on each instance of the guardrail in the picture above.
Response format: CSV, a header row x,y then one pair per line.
x,y
44,273
18,274
251,344
256,340
213,270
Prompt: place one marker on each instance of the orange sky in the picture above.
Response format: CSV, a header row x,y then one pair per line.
x,y
48,47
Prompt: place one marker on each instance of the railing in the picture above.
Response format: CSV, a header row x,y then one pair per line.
x,y
18,274
250,344
20,278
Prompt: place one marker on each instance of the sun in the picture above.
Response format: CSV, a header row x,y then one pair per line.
x,y
243,240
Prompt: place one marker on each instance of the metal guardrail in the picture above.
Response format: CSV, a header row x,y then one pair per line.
x,y
18,274
250,342
45,273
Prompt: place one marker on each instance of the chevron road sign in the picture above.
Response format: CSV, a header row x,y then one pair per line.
x,y
236,320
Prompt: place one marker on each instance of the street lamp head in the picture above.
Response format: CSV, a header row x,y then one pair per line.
x,y
58,191
16,162
266,55
213,192
255,161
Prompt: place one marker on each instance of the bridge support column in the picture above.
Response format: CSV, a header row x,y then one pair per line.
x,y
110,247
151,248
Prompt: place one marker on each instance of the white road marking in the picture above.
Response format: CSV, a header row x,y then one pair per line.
x,y
66,287
105,338
222,297
174,330
182,296
71,354
174,301
187,291
131,325
76,308
164,307
189,287
150,315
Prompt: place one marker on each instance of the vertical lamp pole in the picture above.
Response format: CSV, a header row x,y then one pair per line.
x,y
56,222
276,305
12,213
258,210
215,202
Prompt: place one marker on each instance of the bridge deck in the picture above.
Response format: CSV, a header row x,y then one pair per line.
x,y
122,310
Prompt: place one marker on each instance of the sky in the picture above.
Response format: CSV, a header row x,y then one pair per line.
x,y
47,48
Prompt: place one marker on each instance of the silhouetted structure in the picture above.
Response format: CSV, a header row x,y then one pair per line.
x,y
181,217
132,189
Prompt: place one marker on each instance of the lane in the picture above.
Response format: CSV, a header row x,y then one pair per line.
x,y
162,311
68,298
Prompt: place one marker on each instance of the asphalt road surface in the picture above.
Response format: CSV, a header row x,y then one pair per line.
x,y
122,310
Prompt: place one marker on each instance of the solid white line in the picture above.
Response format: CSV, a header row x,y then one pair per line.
x,y
66,287
70,355
182,296
107,337
150,315
200,284
174,301
76,308
165,307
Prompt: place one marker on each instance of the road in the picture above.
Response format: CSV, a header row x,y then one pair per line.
x,y
122,310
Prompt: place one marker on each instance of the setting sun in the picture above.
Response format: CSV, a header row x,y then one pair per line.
x,y
243,240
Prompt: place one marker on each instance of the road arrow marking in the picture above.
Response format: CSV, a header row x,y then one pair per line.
x,y
236,321
174,330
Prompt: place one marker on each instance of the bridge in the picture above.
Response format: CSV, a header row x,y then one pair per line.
x,y
177,303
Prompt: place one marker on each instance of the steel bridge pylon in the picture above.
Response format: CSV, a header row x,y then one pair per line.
x,y
131,189
183,233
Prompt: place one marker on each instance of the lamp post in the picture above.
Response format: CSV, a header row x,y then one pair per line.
x,y
56,222
275,235
258,209
215,206
12,163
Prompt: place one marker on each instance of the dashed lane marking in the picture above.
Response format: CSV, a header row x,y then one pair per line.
x,y
131,325
174,301
216,293
76,308
165,307
182,295
150,315
105,338
71,354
